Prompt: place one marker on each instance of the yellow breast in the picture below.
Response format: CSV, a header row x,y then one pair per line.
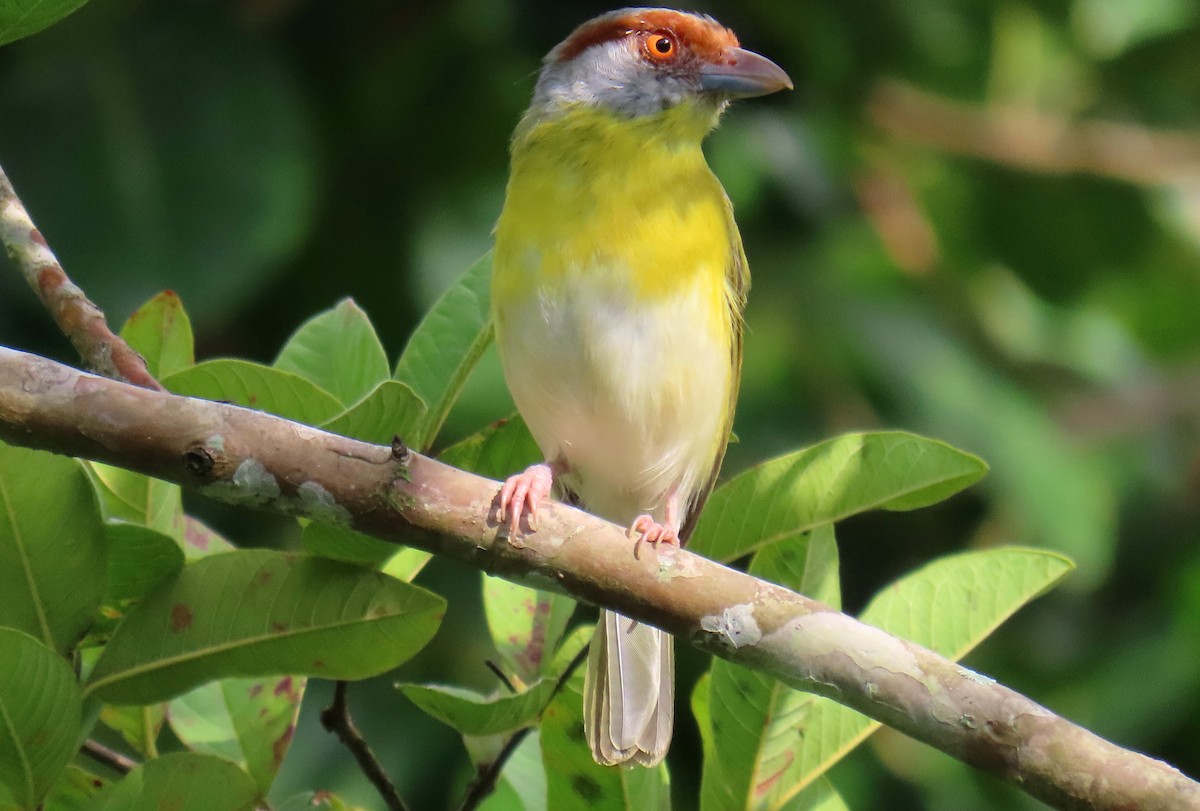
x,y
612,305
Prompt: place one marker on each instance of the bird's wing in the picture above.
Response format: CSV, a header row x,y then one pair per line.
x,y
737,285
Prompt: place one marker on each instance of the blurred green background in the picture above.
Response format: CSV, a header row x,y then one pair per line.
x,y
974,219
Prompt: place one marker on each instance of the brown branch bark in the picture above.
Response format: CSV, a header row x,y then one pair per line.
x,y
1033,140
255,459
79,319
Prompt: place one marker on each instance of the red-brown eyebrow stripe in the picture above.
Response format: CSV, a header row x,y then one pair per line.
x,y
703,36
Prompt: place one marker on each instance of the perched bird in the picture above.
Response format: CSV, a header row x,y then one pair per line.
x,y
618,287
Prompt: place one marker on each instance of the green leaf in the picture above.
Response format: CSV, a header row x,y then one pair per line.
x,y
339,352
948,606
830,481
247,721
497,451
74,791
575,781
390,410
40,710
473,714
162,333
406,564
20,18
182,781
253,385
263,613
200,541
953,603
139,726
52,549
752,722
137,499
138,560
446,345
526,625
340,543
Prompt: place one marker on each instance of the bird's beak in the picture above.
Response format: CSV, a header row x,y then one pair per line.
x,y
742,74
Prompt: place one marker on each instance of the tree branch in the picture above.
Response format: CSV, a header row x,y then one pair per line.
x,y
78,318
336,719
1033,140
408,498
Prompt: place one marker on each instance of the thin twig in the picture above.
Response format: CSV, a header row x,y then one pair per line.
x,y
495,668
336,719
485,780
108,757
76,315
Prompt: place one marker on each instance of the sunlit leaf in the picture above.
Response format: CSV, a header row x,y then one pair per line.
x,y
161,333
52,547
247,721
256,386
201,541
949,606
407,563
339,352
832,480
261,613
446,345
526,625
40,708
136,499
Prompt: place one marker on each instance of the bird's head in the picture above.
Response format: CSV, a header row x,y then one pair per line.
x,y
643,61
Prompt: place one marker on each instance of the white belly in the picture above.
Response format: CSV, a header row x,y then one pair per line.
x,y
631,396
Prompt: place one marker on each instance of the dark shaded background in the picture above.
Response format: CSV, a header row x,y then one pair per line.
x,y
978,220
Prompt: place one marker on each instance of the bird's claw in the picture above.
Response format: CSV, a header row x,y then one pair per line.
x,y
651,532
520,495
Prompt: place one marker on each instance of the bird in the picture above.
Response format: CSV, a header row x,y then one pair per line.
x,y
618,288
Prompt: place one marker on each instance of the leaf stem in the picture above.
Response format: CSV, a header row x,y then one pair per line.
x,y
108,757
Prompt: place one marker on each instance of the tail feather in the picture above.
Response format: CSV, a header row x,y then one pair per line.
x,y
629,692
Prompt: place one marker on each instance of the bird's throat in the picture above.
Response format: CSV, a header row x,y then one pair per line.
x,y
633,198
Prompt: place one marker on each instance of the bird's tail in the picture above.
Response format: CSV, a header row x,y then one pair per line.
x,y
629,692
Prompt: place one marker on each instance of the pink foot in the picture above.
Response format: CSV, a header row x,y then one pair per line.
x,y
521,493
653,533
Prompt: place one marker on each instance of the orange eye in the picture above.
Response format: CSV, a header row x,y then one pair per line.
x,y
660,46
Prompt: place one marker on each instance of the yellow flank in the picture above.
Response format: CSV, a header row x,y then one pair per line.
x,y
591,190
